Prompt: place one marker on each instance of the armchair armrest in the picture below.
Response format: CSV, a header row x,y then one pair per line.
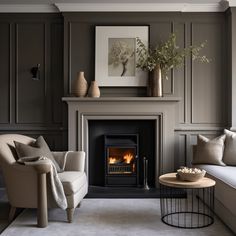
x,y
22,183
43,168
75,161
40,168
22,168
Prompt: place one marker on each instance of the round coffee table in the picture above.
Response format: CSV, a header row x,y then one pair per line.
x,y
186,204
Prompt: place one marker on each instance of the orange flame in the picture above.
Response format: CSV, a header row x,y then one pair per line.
x,y
128,158
112,160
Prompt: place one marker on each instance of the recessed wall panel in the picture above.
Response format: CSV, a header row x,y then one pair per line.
x,y
31,93
179,76
208,86
5,79
181,143
81,51
57,71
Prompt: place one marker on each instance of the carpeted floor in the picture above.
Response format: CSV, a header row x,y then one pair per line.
x,y
108,217
4,210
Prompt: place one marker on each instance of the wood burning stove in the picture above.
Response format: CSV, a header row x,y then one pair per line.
x,y
121,159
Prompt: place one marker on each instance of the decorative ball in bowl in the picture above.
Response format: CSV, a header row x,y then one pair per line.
x,y
190,174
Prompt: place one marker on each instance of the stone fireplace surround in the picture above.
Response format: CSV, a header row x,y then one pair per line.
x,y
161,110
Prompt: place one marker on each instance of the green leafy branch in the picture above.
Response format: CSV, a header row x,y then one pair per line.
x,y
167,55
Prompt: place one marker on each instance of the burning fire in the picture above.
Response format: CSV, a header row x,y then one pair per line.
x,y
128,158
112,160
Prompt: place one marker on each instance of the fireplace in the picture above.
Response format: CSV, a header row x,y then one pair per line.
x,y
121,159
123,141
154,119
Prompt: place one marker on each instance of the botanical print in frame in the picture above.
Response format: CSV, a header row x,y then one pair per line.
x,y
115,59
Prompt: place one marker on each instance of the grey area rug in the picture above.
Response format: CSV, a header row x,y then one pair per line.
x,y
108,217
4,210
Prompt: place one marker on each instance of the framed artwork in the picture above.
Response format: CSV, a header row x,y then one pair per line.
x,y
115,56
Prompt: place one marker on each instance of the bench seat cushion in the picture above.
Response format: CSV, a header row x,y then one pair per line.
x,y
225,189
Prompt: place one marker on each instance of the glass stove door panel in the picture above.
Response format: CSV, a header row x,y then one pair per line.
x,y
121,160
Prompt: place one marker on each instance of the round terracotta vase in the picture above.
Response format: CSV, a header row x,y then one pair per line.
x,y
94,90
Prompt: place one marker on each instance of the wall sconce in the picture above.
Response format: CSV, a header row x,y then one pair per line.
x,y
35,71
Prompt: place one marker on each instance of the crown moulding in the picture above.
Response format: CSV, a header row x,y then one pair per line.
x,y
118,7
138,7
28,8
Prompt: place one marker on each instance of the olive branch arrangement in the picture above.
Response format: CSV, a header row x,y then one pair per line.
x,y
166,55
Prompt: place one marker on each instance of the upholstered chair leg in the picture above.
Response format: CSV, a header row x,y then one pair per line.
x,y
70,213
12,213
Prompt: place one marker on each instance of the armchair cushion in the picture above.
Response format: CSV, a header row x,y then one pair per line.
x,y
37,148
72,181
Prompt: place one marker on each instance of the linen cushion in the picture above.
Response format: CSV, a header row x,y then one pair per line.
x,y
37,148
209,151
230,148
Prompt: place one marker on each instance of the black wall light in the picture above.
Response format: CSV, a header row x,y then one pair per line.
x,y
35,71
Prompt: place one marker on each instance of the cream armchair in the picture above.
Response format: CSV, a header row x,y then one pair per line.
x,y
27,187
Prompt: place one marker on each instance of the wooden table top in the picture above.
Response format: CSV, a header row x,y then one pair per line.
x,y
170,180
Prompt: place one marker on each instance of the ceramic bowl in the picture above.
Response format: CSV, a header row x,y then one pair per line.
x,y
191,177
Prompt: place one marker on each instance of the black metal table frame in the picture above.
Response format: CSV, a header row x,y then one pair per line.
x,y
187,207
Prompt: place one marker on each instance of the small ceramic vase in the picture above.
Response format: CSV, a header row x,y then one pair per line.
x,y
81,85
94,90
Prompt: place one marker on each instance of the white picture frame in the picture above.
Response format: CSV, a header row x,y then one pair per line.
x,y
114,45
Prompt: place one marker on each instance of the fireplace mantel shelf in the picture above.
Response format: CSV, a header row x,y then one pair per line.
x,y
122,99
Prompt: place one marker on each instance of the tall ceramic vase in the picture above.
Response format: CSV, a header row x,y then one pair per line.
x,y
94,90
155,83
81,85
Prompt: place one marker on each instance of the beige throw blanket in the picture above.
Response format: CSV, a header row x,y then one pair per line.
x,y
54,181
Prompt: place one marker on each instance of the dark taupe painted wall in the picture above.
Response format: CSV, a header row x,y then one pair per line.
x,y
35,107
32,107
202,87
